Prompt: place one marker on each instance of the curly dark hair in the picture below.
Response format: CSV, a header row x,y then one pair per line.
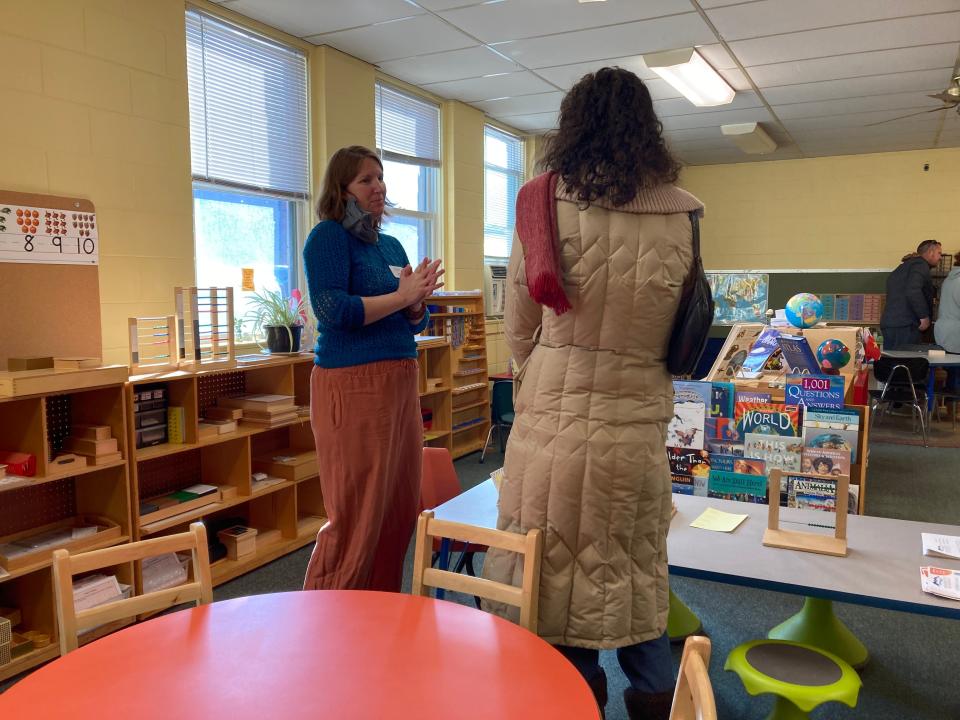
x,y
609,142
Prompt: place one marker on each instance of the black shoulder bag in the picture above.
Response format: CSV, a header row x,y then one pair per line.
x,y
694,314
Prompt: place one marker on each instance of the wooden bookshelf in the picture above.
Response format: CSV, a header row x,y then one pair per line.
x,y
435,385
37,424
458,317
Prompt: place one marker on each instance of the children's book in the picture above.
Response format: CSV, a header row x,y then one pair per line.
x,y
692,391
811,493
737,464
748,396
822,392
736,486
722,397
940,581
685,430
682,485
734,350
722,436
825,461
776,451
832,429
797,355
684,461
769,418
761,351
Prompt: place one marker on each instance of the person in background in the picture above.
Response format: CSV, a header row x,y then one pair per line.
x,y
946,330
604,244
364,401
909,307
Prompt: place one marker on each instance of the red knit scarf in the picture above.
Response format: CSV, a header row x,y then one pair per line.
x,y
537,230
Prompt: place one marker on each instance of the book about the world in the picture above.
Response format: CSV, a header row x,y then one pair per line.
x,y
776,451
832,429
685,429
736,486
797,355
769,418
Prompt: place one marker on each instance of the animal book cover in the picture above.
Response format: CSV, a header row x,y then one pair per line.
x,y
832,429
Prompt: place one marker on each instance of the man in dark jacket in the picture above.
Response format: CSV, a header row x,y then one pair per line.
x,y
910,293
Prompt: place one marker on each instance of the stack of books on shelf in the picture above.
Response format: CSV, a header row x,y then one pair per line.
x,y
94,442
263,410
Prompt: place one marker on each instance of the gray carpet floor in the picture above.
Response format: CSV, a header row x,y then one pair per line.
x,y
915,660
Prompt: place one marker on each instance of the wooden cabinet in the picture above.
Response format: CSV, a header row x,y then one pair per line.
x,y
287,511
64,494
458,317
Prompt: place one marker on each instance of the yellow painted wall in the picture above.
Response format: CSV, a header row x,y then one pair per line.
x,y
852,211
462,150
103,95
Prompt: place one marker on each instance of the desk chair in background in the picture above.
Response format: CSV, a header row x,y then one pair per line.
x,y
905,383
65,566
526,597
501,414
438,484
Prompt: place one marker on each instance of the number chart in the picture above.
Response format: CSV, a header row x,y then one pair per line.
x,y
48,235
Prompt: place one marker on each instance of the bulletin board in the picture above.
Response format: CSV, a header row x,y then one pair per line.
x,y
49,283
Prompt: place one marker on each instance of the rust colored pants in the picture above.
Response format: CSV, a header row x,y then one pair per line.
x,y
369,435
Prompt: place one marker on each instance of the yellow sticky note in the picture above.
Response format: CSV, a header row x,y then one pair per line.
x,y
247,283
718,521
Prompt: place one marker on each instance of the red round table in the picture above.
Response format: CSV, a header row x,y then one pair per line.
x,y
335,654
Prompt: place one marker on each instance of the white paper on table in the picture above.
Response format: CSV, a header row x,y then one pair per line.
x,y
947,546
940,581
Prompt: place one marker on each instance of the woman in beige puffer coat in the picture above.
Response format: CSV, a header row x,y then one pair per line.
x,y
585,461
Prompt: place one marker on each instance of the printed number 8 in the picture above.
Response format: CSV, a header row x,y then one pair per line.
x,y
28,244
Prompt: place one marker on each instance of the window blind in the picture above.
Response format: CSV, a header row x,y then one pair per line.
x,y
408,127
502,178
248,108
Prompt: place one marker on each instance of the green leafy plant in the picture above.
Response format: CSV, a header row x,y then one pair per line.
x,y
269,308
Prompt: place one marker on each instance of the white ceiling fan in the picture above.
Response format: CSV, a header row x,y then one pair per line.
x,y
950,97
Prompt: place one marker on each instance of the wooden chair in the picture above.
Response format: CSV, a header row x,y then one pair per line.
x,y
693,697
65,566
529,545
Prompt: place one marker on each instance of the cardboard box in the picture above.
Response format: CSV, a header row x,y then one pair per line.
x,y
239,540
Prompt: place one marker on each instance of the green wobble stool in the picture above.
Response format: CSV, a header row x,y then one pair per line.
x,y
801,677
816,625
681,622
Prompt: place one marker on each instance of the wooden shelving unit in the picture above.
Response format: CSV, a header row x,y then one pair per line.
x,y
459,319
34,424
436,382
287,514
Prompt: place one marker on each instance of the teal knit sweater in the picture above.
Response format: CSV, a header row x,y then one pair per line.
x,y
341,270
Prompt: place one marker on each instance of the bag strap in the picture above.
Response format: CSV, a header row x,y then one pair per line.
x,y
695,224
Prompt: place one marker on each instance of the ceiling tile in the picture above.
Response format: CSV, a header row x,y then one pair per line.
x,y
454,65
522,105
682,106
516,19
398,39
619,41
858,87
565,76
893,101
880,35
487,88
534,121
775,17
862,119
736,79
716,119
308,17
717,56
878,62
707,4
437,5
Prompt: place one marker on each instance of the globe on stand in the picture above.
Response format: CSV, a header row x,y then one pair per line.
x,y
832,355
804,310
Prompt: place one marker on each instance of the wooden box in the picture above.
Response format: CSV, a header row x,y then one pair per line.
x,y
289,463
19,364
168,507
106,530
240,541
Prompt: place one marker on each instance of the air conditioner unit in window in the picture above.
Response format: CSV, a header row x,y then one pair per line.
x,y
494,289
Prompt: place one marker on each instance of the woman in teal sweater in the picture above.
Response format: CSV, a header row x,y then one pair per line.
x,y
364,404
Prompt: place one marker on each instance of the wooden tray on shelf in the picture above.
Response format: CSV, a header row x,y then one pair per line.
x,y
106,530
186,506
299,463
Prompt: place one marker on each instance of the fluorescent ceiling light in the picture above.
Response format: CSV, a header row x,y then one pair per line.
x,y
749,137
690,74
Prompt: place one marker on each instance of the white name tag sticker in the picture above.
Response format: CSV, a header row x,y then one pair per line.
x,y
396,271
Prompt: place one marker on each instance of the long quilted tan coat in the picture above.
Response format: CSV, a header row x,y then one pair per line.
x,y
585,461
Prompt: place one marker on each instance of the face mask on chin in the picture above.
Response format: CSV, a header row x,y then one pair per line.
x,y
358,223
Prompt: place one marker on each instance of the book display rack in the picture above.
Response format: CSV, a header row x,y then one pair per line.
x,y
459,318
69,489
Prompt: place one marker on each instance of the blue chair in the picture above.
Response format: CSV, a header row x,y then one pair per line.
x,y
501,414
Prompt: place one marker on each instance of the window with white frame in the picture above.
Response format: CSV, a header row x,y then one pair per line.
x,y
408,140
502,178
250,156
